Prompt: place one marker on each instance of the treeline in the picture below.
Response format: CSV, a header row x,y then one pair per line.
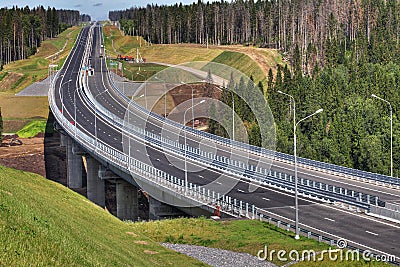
x,y
320,29
354,128
23,29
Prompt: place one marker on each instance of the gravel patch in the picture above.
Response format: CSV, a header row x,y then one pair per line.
x,y
218,257
36,89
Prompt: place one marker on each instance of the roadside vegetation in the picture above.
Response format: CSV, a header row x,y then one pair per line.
x,y
19,110
250,60
33,128
21,73
248,236
43,223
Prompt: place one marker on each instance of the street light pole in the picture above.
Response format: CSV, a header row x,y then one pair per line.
x,y
145,88
184,123
391,132
165,96
191,87
296,201
233,110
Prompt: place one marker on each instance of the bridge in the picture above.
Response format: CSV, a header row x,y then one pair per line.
x,y
124,143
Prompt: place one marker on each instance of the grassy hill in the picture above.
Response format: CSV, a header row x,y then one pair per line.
x,y
42,223
250,60
18,110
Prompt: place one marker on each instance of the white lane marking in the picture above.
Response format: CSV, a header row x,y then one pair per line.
x,y
266,199
329,219
241,191
323,232
292,207
201,176
219,183
372,233
367,217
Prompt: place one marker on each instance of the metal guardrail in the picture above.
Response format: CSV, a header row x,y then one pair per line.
x,y
266,152
171,183
307,187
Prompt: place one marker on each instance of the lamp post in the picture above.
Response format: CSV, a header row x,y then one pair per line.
x,y
391,132
191,87
296,202
62,95
145,88
165,96
184,122
233,110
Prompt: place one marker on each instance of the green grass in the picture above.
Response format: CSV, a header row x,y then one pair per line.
x,y
145,70
237,235
242,63
35,68
33,128
42,223
2,75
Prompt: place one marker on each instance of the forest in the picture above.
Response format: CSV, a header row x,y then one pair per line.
x,y
339,53
23,29
317,27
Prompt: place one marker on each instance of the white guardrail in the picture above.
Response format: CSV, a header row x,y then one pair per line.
x,y
238,168
172,184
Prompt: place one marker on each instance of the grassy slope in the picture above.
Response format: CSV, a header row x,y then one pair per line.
x,y
32,128
239,235
42,223
241,58
241,62
35,67
26,72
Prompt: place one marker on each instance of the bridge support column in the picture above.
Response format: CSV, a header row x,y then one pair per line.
x,y
159,210
74,169
127,200
95,186
63,140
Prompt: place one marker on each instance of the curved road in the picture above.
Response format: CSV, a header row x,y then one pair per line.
x,y
359,228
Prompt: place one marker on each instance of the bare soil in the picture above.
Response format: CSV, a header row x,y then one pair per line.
x,y
26,157
9,80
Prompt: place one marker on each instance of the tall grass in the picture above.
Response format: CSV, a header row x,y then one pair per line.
x,y
43,223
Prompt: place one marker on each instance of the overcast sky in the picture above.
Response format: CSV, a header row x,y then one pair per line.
x,y
97,9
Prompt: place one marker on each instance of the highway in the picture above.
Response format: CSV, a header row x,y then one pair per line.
x,y
315,215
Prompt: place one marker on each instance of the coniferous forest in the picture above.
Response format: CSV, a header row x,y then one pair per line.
x,y
23,29
339,53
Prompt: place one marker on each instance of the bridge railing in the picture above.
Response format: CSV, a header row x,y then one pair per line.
x,y
314,164
171,183
250,172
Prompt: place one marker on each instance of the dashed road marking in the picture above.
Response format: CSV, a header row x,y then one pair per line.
x,y
372,233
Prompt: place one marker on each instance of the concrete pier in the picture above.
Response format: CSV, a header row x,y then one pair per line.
x,y
95,186
127,200
63,140
159,210
74,166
